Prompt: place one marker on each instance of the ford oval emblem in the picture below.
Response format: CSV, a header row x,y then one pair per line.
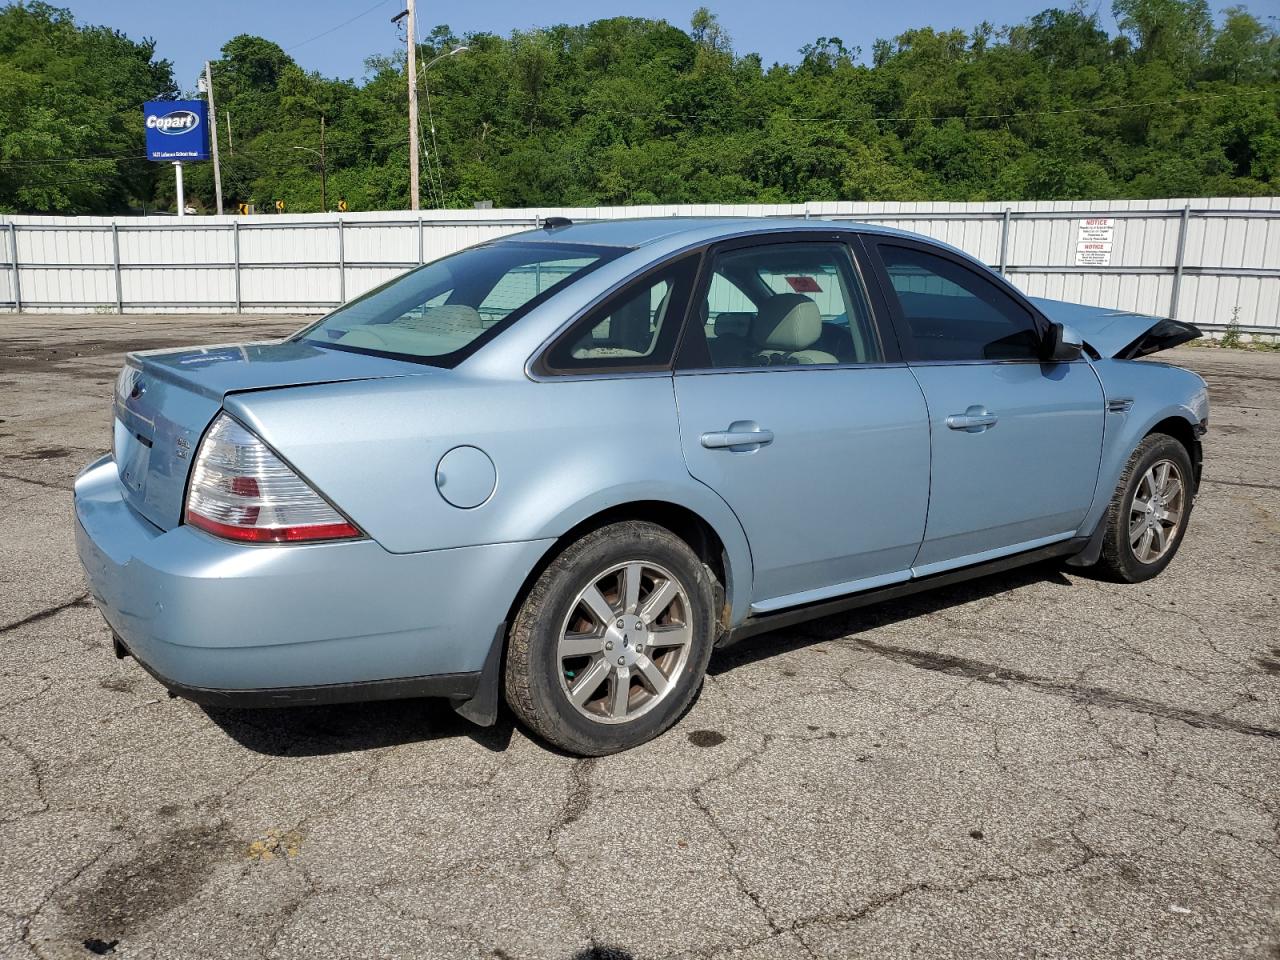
x,y
174,122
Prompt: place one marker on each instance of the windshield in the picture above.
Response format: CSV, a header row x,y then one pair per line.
x,y
442,311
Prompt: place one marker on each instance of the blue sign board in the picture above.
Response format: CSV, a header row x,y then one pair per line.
x,y
177,129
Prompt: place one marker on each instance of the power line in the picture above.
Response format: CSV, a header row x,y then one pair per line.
x,y
1004,116
429,155
41,162
1131,105
434,152
325,33
58,183
426,153
908,119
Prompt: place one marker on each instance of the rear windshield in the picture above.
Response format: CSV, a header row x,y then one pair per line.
x,y
443,311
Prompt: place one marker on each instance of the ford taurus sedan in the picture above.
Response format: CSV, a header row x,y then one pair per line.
x,y
565,465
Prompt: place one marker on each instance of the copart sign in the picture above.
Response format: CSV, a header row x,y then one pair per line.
x,y
176,129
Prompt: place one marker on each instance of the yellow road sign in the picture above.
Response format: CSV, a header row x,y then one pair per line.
x,y
279,206
243,208
342,206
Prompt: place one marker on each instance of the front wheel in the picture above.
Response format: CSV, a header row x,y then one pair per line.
x,y
1148,513
611,644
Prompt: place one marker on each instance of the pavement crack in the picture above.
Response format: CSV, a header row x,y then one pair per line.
x,y
36,773
1241,483
576,804
290,911
39,483
738,880
579,797
26,920
892,897
45,684
1096,696
1200,628
81,601
730,841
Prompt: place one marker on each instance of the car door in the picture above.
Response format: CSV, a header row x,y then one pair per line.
x,y
796,409
1016,442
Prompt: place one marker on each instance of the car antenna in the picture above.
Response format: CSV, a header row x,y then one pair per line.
x,y
551,223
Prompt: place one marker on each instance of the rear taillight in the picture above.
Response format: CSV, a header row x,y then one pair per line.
x,y
241,490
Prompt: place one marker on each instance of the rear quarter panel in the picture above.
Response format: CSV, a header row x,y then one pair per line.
x,y
564,450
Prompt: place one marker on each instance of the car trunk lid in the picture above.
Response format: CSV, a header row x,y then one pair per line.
x,y
165,400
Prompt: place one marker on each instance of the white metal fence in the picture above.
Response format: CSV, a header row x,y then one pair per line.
x,y
1212,261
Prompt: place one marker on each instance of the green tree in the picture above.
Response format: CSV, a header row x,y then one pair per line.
x,y
71,113
1176,32
1244,51
628,110
707,32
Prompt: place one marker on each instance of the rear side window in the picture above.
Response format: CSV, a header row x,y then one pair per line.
x,y
953,313
441,311
785,304
635,329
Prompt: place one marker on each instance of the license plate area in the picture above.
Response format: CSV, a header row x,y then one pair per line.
x,y
133,455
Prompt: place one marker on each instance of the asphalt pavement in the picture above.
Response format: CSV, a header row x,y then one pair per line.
x,y
1033,765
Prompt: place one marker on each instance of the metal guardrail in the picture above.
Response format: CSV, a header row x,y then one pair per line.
x,y
342,264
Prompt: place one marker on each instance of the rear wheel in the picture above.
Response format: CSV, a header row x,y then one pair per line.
x,y
1148,513
611,644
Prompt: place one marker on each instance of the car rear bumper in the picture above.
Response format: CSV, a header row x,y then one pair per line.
x,y
458,687
233,624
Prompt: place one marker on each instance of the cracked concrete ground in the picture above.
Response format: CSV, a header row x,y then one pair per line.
x,y
1035,765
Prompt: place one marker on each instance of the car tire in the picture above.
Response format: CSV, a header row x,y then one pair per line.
x,y
592,687
1148,514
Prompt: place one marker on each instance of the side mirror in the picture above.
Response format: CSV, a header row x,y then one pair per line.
x,y
1063,344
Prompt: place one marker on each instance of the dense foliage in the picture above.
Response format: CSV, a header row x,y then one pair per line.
x,y
66,93
637,111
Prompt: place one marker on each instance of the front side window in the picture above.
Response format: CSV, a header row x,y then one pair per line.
x,y
953,313
786,304
635,329
439,311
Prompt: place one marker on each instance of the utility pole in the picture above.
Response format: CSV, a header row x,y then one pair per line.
x,y
213,134
412,65
231,147
324,189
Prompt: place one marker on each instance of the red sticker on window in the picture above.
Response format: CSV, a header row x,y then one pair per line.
x,y
804,284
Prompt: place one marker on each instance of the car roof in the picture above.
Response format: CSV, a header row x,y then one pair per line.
x,y
670,234
641,231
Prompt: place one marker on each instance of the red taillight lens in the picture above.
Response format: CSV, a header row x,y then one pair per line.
x,y
240,490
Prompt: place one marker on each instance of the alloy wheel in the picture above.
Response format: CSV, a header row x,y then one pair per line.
x,y
1157,511
625,643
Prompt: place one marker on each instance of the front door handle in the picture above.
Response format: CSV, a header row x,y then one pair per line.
x,y
742,436
974,420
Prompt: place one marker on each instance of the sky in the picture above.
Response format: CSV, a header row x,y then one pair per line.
x,y
318,36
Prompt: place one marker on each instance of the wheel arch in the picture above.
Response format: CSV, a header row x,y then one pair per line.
x,y
721,546
1123,432
1181,427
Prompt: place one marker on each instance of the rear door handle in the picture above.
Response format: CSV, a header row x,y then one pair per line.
x,y
741,437
974,420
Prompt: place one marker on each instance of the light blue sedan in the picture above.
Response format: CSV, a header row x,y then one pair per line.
x,y
567,464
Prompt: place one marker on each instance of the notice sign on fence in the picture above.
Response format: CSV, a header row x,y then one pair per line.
x,y
1094,237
